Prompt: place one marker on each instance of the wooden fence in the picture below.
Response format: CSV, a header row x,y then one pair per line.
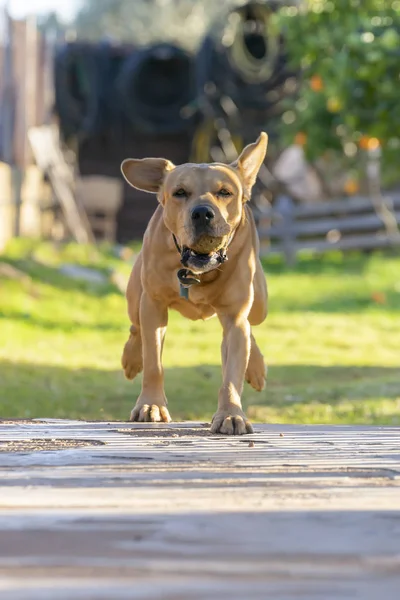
x,y
26,86
26,90
348,224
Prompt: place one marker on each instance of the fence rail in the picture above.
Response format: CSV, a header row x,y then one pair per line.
x,y
346,224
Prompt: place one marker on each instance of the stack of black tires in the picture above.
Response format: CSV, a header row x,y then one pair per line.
x,y
116,101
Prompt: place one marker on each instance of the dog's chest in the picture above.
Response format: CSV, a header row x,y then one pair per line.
x,y
193,310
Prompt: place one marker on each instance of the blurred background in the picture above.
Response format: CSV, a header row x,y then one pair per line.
x,y
87,83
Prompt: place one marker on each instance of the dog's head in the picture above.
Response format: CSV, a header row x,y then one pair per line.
x,y
203,204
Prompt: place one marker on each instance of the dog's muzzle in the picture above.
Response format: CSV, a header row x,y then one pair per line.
x,y
202,263
196,264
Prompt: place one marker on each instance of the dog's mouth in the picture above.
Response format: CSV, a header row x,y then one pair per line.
x,y
201,263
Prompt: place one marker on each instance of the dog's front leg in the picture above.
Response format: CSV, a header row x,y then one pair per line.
x,y
230,418
152,403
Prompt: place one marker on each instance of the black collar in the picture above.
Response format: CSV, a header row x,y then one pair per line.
x,y
186,277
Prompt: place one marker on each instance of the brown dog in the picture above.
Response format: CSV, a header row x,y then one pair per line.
x,y
202,221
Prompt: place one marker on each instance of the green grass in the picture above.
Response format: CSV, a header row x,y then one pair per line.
x,y
332,342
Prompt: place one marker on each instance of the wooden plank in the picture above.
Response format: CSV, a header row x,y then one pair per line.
x,y
19,77
48,155
285,207
7,104
99,194
6,205
344,206
133,511
365,222
21,88
31,82
330,208
356,242
46,78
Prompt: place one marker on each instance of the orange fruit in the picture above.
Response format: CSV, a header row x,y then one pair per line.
x,y
351,187
316,83
300,138
369,143
378,297
373,143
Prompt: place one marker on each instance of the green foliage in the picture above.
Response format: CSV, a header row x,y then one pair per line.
x,y
349,54
331,341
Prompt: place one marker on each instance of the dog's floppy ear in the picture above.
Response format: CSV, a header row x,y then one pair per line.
x,y
249,162
146,174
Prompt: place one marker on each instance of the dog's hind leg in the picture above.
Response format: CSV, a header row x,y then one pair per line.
x,y
256,370
132,359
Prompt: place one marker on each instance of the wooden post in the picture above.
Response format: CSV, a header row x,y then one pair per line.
x,y
17,176
284,206
7,106
18,47
30,87
382,209
45,105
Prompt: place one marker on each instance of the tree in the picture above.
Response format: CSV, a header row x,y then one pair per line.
x,y
349,54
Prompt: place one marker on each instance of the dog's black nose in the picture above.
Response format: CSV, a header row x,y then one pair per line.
x,y
202,215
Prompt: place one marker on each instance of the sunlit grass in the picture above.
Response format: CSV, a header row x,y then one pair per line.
x,y
332,342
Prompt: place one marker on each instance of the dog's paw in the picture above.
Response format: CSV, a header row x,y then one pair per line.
x,y
256,373
132,362
150,413
231,422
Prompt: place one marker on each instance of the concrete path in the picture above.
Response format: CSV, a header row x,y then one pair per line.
x,y
150,512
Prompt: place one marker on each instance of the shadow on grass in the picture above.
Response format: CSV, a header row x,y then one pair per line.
x,y
294,393
64,326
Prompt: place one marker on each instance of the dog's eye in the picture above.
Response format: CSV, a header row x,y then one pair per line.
x,y
224,193
180,193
